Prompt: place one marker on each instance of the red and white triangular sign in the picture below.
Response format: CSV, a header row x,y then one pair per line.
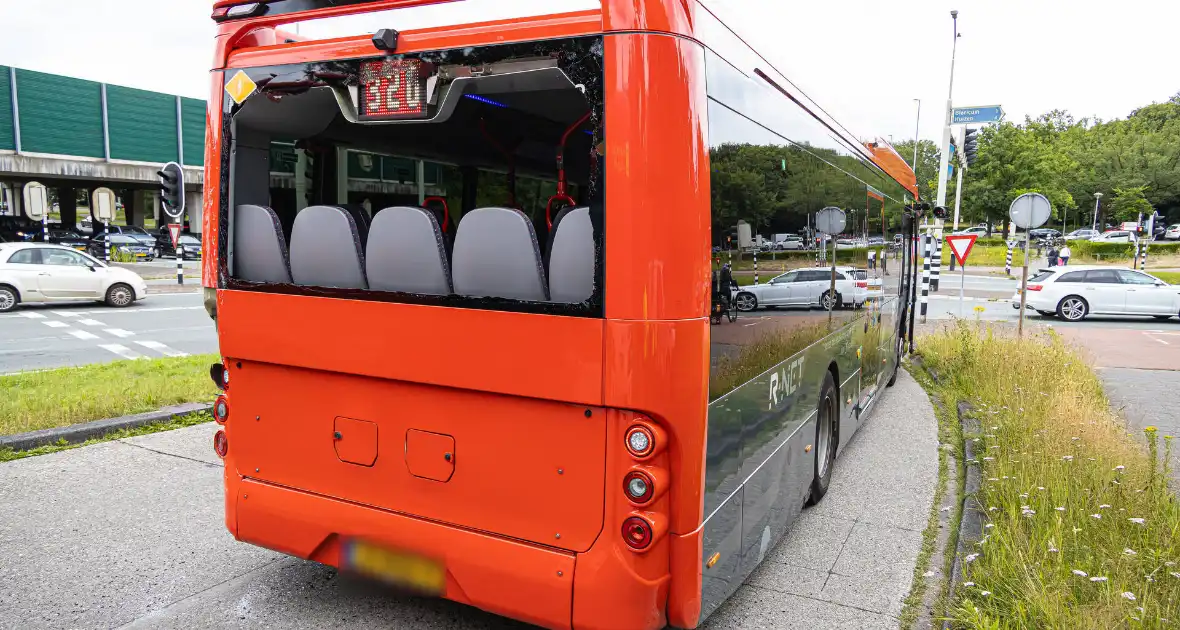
x,y
961,245
174,230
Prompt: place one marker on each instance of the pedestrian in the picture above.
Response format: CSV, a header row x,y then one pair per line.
x,y
1064,255
1051,255
872,259
885,262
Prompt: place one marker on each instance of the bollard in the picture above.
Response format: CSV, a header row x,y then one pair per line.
x,y
179,262
925,275
1008,262
106,238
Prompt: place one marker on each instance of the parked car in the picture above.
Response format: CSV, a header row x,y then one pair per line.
x,y
1115,236
1172,233
123,243
34,272
18,228
67,238
847,243
191,243
1075,292
1081,235
1040,233
806,288
976,230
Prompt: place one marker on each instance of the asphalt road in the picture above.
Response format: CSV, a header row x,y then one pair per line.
x,y
36,337
131,534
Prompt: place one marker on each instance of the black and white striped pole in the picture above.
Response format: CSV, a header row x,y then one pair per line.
x,y
1008,260
102,206
936,259
179,262
755,264
925,275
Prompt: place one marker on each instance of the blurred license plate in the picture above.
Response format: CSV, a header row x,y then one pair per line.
x,y
395,567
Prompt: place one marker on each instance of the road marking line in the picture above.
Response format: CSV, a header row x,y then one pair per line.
x,y
162,349
1159,340
64,314
53,323
83,334
121,350
90,322
32,315
118,332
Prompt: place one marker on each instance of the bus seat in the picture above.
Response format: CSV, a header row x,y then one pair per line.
x,y
571,256
496,255
405,252
326,249
260,250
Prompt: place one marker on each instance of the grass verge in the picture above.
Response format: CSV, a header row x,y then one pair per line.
x,y
1081,530
55,398
1171,277
7,454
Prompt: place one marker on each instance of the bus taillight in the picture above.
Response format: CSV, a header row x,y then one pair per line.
x,y
637,533
221,409
220,375
645,439
639,487
220,444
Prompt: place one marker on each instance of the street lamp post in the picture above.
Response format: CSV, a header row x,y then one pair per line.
x,y
1097,198
917,125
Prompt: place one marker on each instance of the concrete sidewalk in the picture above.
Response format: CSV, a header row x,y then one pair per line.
x,y
131,534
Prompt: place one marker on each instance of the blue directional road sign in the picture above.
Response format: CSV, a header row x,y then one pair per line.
x,y
985,114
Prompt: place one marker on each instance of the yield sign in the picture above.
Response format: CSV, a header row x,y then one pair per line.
x,y
174,230
961,246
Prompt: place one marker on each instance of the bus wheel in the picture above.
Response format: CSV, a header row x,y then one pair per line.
x,y
826,417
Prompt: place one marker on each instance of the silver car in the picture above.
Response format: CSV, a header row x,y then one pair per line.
x,y
806,288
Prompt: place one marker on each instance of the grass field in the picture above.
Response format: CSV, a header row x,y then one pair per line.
x,y
54,398
1171,277
1080,528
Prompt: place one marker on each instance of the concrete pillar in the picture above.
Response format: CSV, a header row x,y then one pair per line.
x,y
67,203
194,207
132,208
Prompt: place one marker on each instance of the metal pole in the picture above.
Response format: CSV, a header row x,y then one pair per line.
x,y
179,262
925,273
946,128
962,283
755,264
45,226
1097,198
1023,288
106,238
917,125
912,269
936,259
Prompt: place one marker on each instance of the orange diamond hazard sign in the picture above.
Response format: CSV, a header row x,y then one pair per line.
x,y
240,87
961,246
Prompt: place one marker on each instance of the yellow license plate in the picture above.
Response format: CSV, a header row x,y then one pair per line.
x,y
400,569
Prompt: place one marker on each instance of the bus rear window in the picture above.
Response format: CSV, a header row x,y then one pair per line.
x,y
468,178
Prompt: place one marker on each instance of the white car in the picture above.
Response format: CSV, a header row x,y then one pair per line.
x,y
805,287
977,231
1173,232
34,272
1072,293
1081,235
1115,236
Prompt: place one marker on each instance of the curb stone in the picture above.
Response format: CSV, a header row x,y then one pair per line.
x,y
81,432
971,524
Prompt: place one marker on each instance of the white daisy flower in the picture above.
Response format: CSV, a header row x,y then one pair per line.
x,y
1059,509
1128,595
1098,579
985,593
1068,458
1119,468
1130,552
1079,573
1103,506
1139,521
970,557
1096,515
989,526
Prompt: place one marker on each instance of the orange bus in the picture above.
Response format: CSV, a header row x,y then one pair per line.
x,y
462,276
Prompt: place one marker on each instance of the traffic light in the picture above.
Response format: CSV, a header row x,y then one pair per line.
x,y
940,212
172,189
970,145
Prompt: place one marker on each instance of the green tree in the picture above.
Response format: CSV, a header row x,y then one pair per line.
x,y
1129,204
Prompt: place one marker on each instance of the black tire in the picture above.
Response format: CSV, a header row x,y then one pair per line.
x,y
745,301
1073,308
827,302
732,315
1048,313
9,298
1162,316
827,419
120,295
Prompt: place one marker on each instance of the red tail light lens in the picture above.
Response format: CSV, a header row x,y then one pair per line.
x,y
639,487
1034,287
220,443
221,409
637,533
640,441
862,284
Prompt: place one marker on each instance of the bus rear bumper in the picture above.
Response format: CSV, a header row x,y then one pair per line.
x,y
502,576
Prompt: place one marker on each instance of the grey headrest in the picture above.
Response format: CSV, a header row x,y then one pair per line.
x,y
260,251
496,255
571,257
326,249
405,252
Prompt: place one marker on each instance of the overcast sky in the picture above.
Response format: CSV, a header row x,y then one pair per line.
x,y
865,61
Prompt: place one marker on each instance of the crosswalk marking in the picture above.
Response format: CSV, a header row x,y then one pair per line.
x,y
32,315
90,322
65,314
53,323
118,332
82,334
121,350
162,349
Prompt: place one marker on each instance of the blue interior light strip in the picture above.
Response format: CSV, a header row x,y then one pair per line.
x,y
484,99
